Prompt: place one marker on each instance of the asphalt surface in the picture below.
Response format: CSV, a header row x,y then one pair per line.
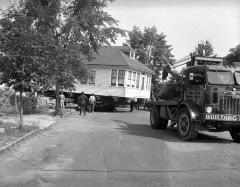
x,y
120,149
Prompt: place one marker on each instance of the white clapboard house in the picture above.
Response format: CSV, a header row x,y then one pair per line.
x,y
115,72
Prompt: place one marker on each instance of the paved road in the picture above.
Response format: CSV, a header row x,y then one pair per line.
x,y
120,149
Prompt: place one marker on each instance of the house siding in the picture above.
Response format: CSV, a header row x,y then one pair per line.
x,y
103,84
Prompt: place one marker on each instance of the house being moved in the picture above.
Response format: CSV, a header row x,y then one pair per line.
x,y
115,72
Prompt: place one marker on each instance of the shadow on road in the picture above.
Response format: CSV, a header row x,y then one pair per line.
x,y
205,138
170,134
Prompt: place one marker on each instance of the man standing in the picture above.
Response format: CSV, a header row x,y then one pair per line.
x,y
131,104
82,103
62,100
135,103
92,102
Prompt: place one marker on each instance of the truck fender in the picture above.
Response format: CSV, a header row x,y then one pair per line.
x,y
192,108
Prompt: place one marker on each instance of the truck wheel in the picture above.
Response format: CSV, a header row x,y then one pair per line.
x,y
185,127
155,120
235,133
154,117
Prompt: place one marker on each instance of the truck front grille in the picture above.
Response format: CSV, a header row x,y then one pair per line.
x,y
230,104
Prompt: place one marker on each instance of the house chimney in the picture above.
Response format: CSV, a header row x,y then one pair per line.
x,y
134,54
204,52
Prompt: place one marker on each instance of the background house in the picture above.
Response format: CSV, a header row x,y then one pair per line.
x,y
115,72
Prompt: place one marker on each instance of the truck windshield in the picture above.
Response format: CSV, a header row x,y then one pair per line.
x,y
237,77
220,77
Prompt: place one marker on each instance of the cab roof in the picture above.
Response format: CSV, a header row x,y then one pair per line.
x,y
208,67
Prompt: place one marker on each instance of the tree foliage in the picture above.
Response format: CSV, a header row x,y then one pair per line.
x,y
152,50
21,61
76,30
46,42
150,47
204,48
233,56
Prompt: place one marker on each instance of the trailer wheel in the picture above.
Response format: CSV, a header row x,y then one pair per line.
x,y
154,117
185,127
235,133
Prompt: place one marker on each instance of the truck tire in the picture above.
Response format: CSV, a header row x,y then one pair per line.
x,y
235,134
185,127
154,117
155,120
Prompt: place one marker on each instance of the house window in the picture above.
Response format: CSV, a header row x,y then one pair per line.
x,y
134,79
138,80
114,77
92,76
121,77
143,79
129,78
149,85
84,80
148,82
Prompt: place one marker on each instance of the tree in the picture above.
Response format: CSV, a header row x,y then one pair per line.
x,y
151,49
233,56
20,60
76,30
204,48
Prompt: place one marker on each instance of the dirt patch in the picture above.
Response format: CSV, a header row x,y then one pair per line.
x,y
9,126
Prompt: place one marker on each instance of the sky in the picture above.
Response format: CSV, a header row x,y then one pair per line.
x,y
5,3
184,22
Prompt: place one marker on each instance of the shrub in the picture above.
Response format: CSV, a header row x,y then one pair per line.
x,y
31,104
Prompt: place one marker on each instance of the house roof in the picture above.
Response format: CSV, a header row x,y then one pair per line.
x,y
115,56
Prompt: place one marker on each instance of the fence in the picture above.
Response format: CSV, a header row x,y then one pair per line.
x,y
31,104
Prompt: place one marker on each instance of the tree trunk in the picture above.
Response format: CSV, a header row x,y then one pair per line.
x,y
152,92
21,110
57,106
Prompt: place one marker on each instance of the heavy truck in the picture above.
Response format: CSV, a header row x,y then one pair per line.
x,y
208,99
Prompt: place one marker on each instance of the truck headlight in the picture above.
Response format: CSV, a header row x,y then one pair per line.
x,y
209,109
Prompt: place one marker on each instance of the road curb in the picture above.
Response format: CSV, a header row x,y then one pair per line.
x,y
11,145
17,141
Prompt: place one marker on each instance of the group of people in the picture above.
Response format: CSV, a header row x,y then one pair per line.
x,y
133,104
82,101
